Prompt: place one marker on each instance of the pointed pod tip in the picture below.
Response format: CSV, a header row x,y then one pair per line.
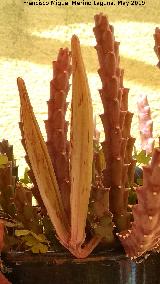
x,y
21,87
20,83
77,60
75,41
19,80
75,38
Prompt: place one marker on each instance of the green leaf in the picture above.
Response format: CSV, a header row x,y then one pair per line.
x,y
40,237
12,224
29,240
36,243
142,158
39,248
102,160
139,181
3,159
132,198
26,179
135,150
96,146
19,233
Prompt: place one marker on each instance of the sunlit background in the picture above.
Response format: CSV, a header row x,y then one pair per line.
x,y
30,37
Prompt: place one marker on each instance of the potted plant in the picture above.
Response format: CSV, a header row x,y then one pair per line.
x,y
88,195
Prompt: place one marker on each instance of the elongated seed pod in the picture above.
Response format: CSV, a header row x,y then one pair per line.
x,y
81,146
41,165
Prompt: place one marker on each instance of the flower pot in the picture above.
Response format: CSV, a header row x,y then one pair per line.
x,y
100,268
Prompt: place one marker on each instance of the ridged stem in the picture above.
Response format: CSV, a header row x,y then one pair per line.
x,y
116,120
144,234
56,126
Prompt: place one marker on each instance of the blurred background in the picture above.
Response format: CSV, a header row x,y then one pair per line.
x,y
30,37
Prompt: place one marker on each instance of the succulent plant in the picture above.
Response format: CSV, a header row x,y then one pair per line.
x,y
26,213
15,198
118,145
144,234
7,183
7,150
84,188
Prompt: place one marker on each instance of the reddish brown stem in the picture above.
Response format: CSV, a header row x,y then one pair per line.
x,y
145,232
56,126
116,118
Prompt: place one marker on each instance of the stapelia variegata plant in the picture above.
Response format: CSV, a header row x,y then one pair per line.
x,y
144,234
84,185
